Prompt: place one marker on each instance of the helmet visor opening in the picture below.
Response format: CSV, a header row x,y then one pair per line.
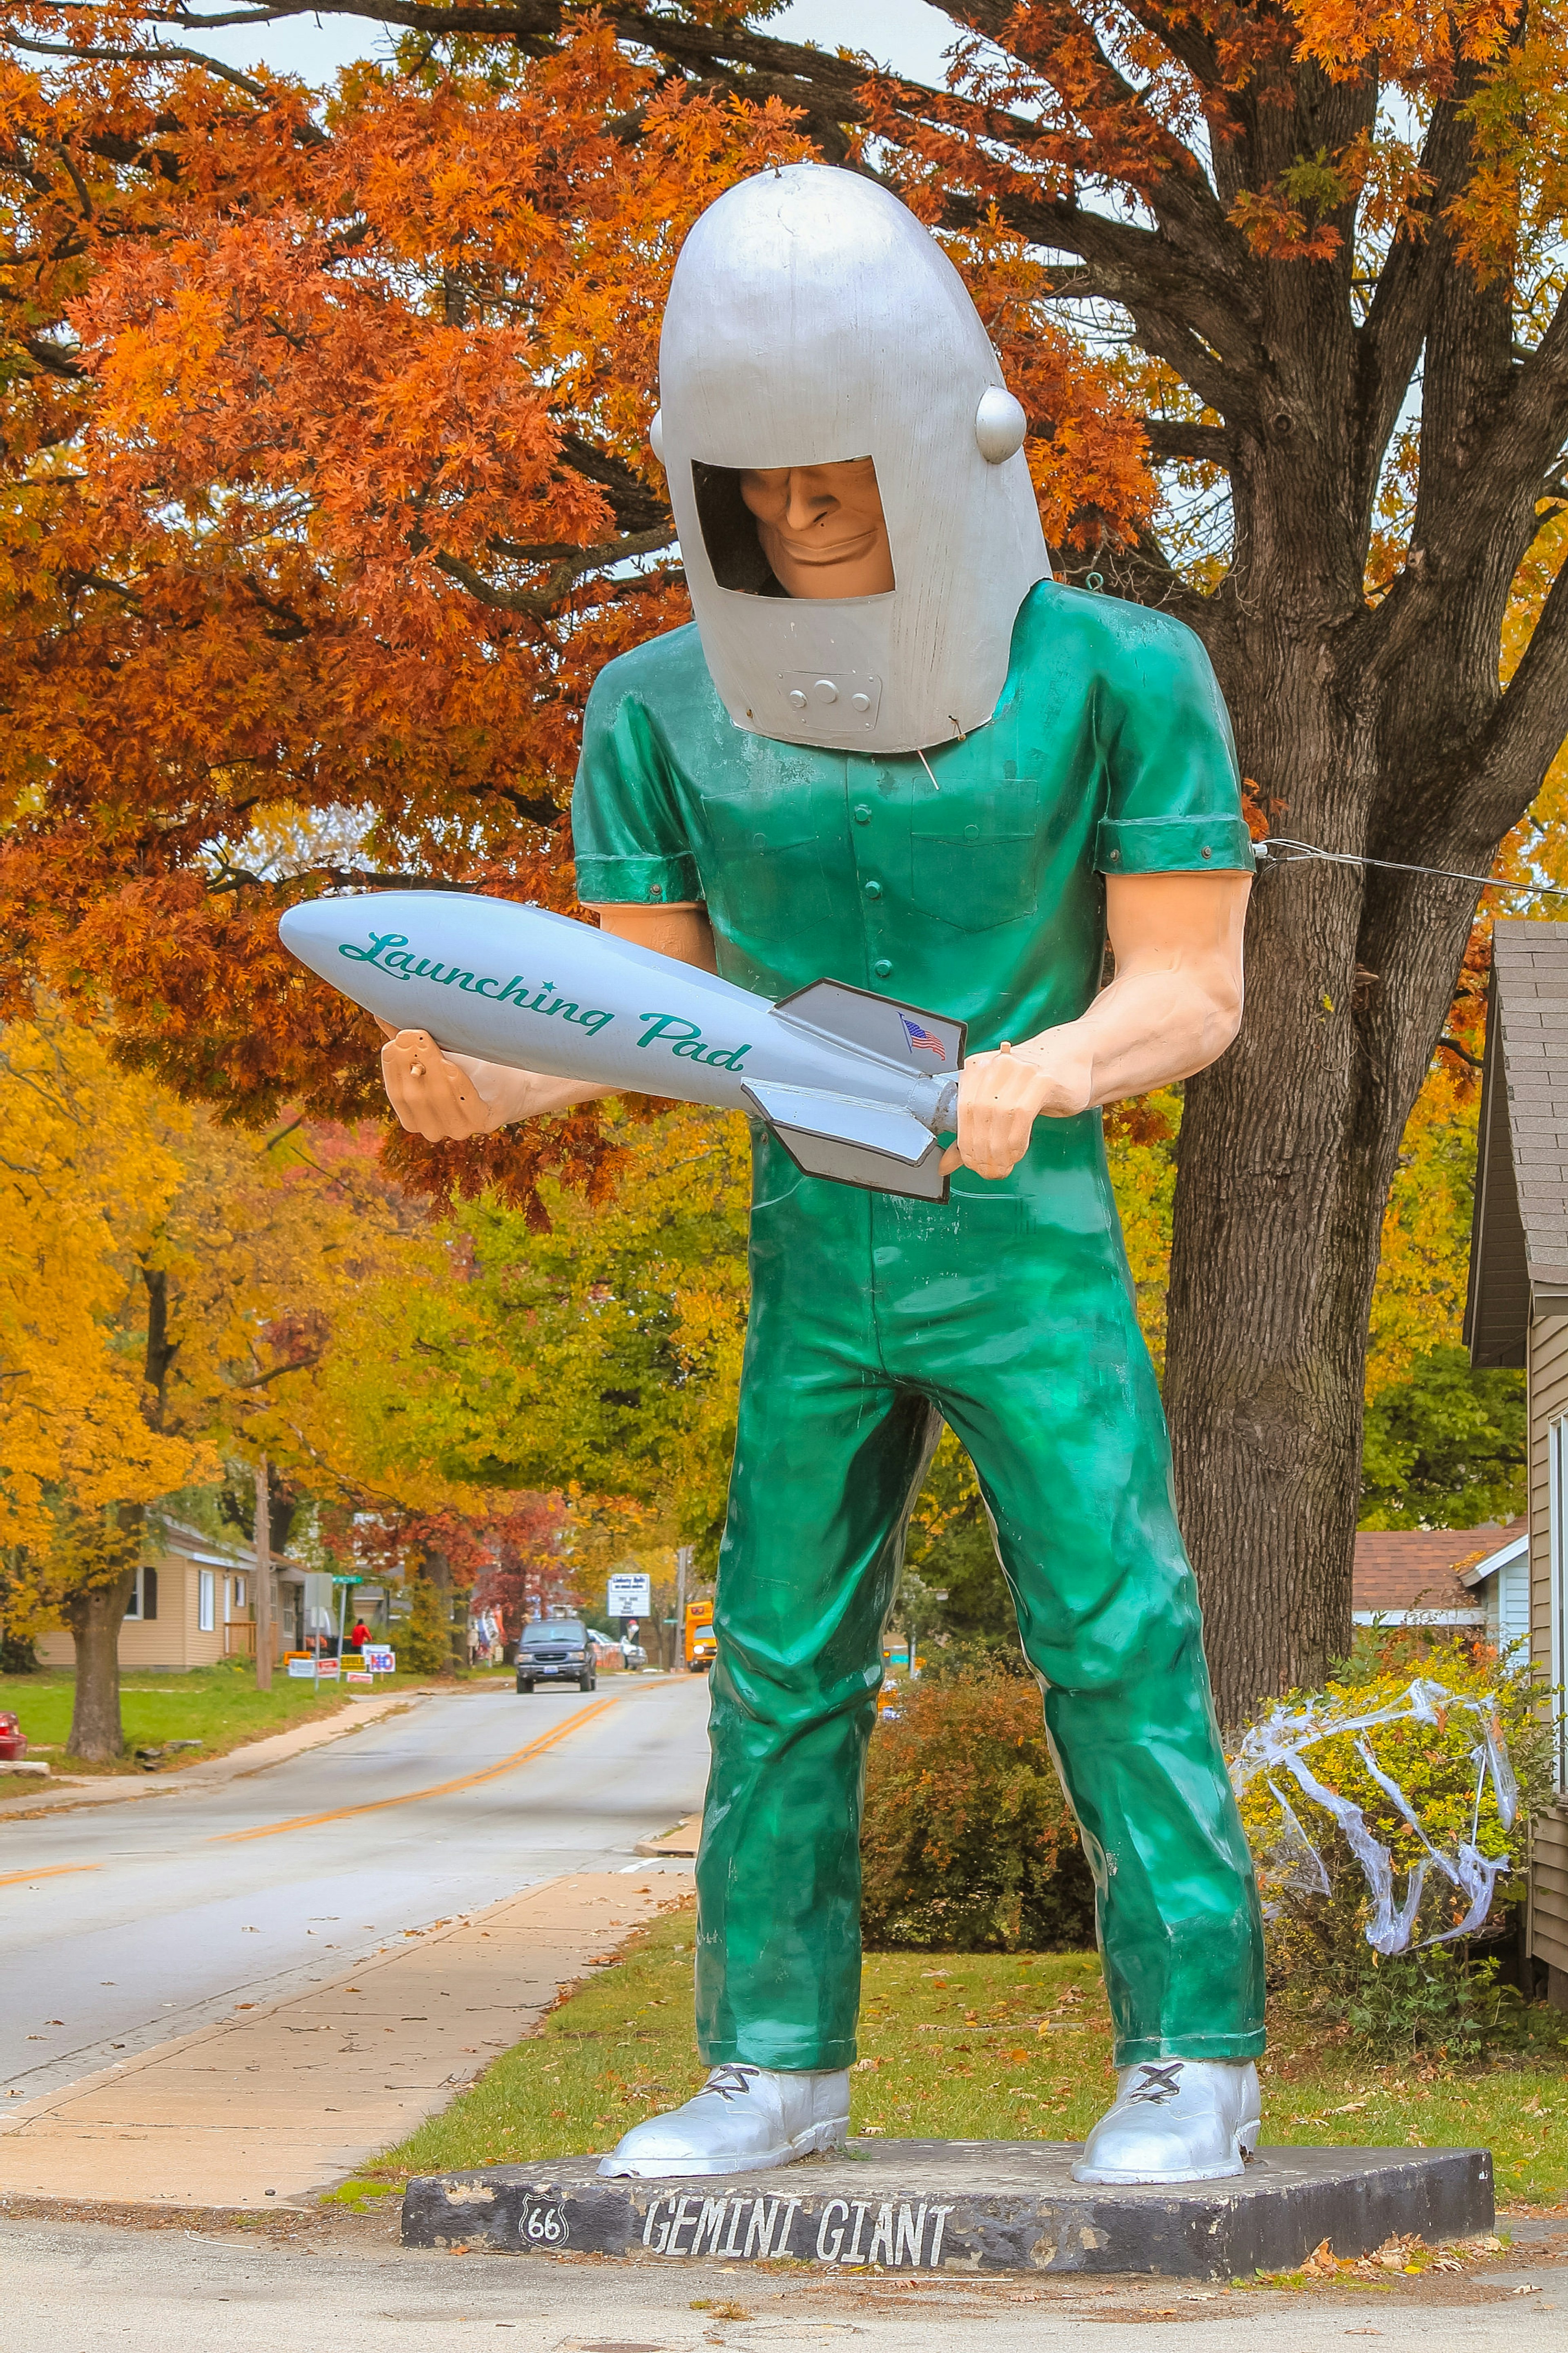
x,y
808,530
730,532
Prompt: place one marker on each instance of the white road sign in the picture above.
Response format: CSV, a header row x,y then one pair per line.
x,y
629,1596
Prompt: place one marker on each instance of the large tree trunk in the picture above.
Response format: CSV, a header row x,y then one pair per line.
x,y
94,1614
1368,728
1287,1151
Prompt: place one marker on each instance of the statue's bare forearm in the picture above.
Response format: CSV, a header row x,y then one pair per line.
x,y
1173,1008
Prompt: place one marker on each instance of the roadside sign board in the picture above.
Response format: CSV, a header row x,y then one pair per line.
x,y
305,1667
629,1594
327,1670
377,1660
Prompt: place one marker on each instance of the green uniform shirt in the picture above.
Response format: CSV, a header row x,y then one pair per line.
x,y
967,881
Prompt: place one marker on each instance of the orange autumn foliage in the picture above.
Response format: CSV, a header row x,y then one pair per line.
x,y
330,495
323,429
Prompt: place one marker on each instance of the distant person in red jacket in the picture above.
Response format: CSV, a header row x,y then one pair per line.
x,y
360,1635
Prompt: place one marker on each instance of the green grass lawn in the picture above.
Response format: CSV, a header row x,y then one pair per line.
x,y
220,1706
991,2046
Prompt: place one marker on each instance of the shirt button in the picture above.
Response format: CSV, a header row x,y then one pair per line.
x,y
881,967
862,814
873,890
1205,853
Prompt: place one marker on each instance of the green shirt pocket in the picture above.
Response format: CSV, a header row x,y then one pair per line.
x,y
765,873
974,854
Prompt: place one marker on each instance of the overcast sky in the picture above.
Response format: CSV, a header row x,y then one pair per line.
x,y
905,34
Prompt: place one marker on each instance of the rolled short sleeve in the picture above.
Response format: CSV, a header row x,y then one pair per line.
x,y
1174,789
629,834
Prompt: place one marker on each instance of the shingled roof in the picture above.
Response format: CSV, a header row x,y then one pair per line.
x,y
1415,1572
1519,1238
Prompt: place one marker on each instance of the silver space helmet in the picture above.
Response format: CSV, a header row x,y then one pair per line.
x,y
812,319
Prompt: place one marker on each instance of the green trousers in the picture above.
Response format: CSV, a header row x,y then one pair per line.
x,y
1006,1313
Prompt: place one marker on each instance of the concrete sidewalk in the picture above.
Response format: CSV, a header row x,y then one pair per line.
x,y
288,2097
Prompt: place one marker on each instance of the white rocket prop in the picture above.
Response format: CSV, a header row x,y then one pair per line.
x,y
855,1086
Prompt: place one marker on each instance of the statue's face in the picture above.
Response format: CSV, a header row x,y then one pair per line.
x,y
821,528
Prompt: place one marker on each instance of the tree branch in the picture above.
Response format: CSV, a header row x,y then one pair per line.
x,y
1527,729
157,55
634,506
1538,406
559,579
1175,437
1388,342
51,359
1141,271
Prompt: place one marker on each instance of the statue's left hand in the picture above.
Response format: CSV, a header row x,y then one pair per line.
x,y
433,1097
1001,1096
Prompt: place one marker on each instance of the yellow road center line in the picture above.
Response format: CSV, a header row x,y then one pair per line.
x,y
50,1871
416,1797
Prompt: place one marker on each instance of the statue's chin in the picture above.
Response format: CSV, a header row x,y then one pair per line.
x,y
867,576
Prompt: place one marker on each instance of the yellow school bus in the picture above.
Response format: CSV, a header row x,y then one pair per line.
x,y
700,1643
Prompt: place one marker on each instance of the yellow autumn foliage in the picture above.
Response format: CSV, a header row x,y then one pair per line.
x,y
168,1290
1419,1300
86,1177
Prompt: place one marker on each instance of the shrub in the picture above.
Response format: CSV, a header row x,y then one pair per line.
x,y
1420,1765
1434,1997
968,1843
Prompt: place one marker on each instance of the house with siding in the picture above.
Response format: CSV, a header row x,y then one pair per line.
x,y
1498,1578
1517,1314
1466,1581
194,1604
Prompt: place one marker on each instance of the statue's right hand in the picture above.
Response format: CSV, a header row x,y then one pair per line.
x,y
432,1097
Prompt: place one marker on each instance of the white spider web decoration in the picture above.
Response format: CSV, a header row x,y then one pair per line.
x,y
1275,1749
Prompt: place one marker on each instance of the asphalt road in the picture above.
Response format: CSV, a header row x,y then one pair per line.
x,y
123,1926
77,2287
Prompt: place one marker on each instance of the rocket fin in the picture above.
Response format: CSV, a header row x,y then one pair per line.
x,y
881,1149
900,1034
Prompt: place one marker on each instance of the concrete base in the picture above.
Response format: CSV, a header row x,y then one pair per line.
x,y
967,2205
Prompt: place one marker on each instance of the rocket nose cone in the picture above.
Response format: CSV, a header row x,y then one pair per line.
x,y
306,932
345,939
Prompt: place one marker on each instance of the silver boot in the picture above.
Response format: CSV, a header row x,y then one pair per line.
x,y
1176,2120
743,2119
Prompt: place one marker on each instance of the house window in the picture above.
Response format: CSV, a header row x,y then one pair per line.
x,y
206,1594
144,1595
237,1588
1557,1579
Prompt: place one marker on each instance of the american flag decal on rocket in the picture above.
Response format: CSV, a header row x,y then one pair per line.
x,y
922,1040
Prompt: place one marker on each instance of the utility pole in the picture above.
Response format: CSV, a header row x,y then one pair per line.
x,y
263,1546
683,1570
